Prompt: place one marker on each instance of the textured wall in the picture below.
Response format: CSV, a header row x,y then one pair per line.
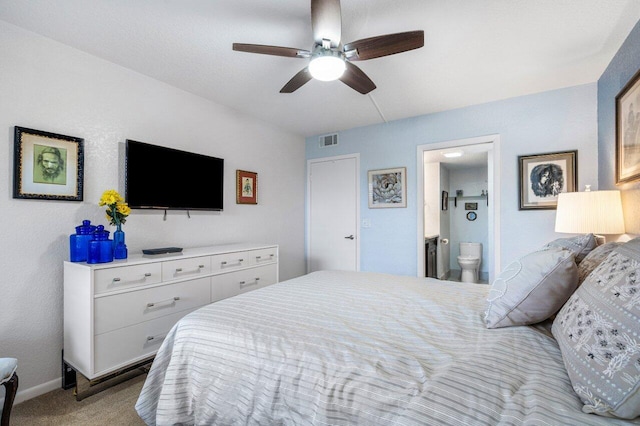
x,y
51,87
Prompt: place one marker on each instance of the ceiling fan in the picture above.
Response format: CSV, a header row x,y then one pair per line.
x,y
329,58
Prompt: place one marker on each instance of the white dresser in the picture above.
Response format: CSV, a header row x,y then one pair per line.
x,y
117,314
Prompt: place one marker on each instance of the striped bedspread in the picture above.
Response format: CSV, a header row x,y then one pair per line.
x,y
356,348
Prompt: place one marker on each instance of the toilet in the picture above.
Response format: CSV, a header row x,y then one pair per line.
x,y
469,261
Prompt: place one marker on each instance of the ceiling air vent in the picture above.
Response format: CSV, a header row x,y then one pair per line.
x,y
328,140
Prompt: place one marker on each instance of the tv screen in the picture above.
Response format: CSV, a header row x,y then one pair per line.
x,y
157,177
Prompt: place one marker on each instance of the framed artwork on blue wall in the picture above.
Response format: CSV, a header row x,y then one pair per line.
x,y
628,131
544,176
387,188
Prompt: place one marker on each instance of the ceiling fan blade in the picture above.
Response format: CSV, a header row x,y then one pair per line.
x,y
390,44
326,21
355,78
272,50
297,81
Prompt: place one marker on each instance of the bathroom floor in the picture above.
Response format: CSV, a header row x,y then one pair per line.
x,y
455,276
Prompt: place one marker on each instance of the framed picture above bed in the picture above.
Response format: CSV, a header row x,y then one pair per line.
x,y
544,176
388,188
47,166
246,187
628,132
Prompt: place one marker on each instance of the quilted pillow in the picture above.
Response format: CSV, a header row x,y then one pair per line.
x,y
532,288
593,259
598,331
580,245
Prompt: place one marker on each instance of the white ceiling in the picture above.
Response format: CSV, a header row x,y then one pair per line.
x,y
475,51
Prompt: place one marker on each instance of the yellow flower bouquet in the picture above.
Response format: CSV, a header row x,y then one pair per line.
x,y
117,209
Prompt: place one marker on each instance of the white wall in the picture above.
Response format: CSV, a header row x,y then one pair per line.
x,y
444,250
48,86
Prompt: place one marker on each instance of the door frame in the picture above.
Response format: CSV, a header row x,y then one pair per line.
x,y
355,156
493,172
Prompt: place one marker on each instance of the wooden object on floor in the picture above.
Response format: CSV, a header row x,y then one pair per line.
x,y
9,379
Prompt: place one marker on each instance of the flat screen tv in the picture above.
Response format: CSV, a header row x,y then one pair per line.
x,y
163,178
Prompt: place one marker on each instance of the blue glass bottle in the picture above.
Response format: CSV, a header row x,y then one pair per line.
x,y
119,247
100,247
79,242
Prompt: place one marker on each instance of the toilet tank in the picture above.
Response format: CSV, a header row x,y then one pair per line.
x,y
471,249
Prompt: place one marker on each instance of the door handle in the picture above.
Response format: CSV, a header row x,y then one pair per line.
x,y
350,237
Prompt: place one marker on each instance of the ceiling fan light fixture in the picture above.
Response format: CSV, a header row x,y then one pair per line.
x,y
327,65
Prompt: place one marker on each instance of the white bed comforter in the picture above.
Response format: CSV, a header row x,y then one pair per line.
x,y
355,348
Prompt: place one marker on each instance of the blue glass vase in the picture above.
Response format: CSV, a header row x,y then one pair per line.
x,y
119,247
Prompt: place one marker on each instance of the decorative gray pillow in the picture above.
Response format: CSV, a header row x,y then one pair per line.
x,y
593,259
532,288
580,245
598,331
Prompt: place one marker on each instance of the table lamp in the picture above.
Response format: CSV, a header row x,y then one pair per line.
x,y
595,212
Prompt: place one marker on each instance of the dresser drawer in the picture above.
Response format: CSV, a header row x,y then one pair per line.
x,y
229,261
262,256
186,268
231,284
111,279
122,310
127,345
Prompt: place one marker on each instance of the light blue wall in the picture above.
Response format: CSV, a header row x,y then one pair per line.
x,y
552,121
622,68
471,181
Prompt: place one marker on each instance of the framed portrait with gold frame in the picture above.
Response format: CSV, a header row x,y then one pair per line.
x,y
47,166
246,187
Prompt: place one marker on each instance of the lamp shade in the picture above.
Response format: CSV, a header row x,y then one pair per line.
x,y
596,212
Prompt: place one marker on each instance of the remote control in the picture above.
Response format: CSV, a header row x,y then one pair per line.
x,y
162,250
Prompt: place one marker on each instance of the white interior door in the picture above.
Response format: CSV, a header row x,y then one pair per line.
x,y
333,214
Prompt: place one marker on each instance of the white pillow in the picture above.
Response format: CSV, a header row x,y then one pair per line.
x,y
532,288
580,245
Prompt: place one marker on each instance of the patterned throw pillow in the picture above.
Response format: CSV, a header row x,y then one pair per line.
x,y
598,331
593,259
532,288
580,245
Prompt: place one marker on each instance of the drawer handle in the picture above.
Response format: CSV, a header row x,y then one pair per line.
x,y
152,338
118,279
259,258
244,284
178,270
225,263
168,302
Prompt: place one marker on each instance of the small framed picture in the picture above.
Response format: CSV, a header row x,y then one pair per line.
x,y
471,206
47,166
388,188
544,176
246,187
445,200
628,132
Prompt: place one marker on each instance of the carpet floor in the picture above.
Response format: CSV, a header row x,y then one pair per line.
x,y
113,406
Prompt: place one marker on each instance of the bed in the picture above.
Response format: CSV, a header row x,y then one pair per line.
x,y
359,348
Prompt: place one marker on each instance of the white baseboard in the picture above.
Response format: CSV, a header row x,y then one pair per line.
x,y
24,395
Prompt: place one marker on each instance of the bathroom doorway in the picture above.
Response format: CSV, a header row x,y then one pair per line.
x,y
458,200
